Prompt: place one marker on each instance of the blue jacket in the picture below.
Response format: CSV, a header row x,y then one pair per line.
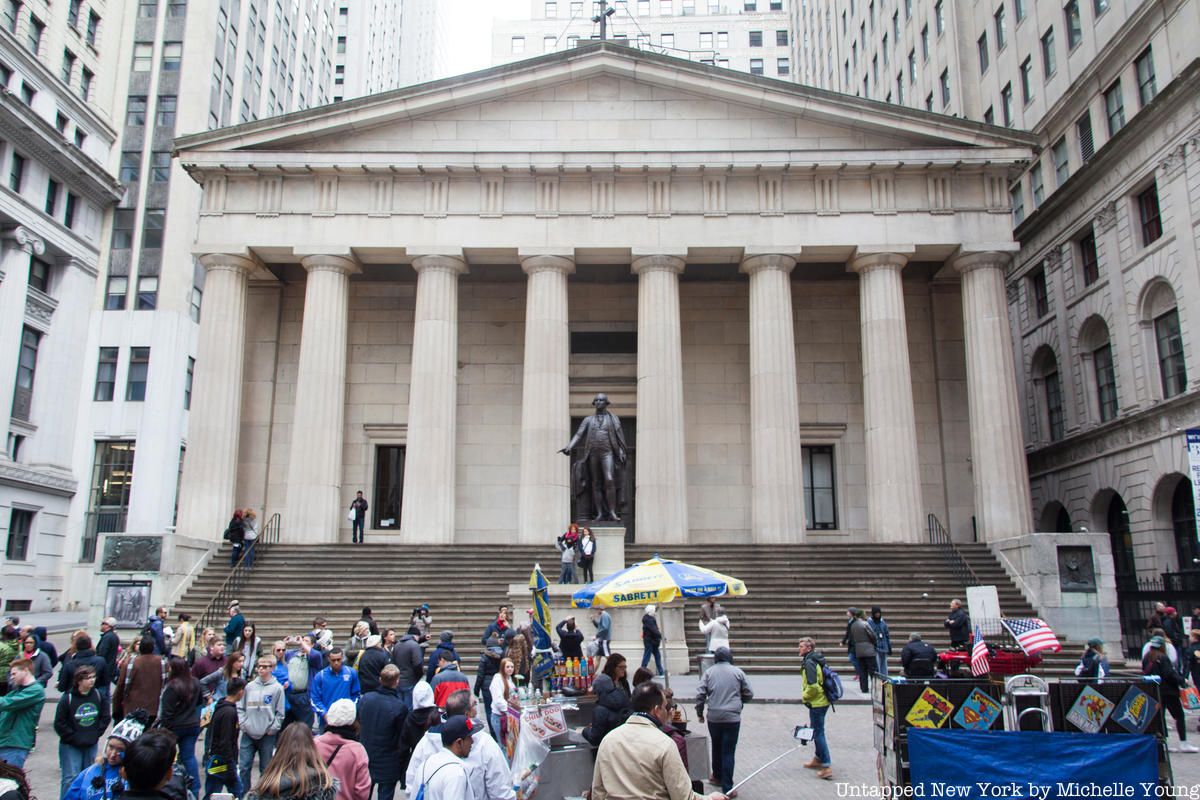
x,y
281,674
327,688
156,630
883,639
431,667
381,716
82,787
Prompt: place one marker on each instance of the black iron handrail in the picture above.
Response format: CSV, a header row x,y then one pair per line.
x,y
939,536
213,615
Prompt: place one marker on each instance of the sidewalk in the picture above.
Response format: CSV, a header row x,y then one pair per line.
x,y
53,621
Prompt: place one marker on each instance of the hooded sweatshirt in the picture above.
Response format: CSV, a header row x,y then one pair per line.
x,y
84,786
724,688
80,719
260,711
19,712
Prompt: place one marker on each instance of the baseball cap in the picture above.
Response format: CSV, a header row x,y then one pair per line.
x,y
110,621
458,727
1158,642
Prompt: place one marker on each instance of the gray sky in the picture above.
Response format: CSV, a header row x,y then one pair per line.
x,y
471,30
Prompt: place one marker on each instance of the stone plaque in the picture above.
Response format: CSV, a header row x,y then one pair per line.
x,y
132,554
1076,571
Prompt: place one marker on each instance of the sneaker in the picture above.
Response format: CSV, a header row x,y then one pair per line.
x,y
826,774
1188,747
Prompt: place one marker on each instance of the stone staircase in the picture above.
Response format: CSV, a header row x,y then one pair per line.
x,y
794,590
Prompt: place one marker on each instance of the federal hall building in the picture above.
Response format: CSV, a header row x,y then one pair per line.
x,y
795,300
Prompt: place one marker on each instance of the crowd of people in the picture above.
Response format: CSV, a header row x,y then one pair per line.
x,y
330,722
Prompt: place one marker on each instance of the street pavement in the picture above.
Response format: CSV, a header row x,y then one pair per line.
x,y
766,732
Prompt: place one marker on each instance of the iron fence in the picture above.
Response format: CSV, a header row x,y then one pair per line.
x,y
213,615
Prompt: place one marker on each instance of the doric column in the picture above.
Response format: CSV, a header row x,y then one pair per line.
x,y
893,469
776,469
1002,503
210,470
661,469
19,244
314,491
545,493
429,481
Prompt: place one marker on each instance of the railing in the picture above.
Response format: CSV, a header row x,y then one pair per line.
x,y
95,523
214,613
939,536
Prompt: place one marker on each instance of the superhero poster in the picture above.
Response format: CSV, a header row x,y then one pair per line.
x,y
931,710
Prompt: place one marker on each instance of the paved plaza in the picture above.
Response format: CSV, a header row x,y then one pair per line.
x,y
766,732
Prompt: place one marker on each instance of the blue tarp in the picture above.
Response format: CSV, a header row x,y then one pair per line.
x,y
1031,764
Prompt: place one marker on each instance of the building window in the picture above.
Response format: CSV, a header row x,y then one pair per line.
x,y
783,66
1062,167
939,17
1147,87
722,38
1150,215
1106,382
756,38
61,121
16,172
194,306
389,485
1099,6
341,45
123,221
667,40
944,83
551,9
71,207
781,38
131,167
135,110
989,116
26,368
1016,198
1038,290
164,112
518,45
52,190
114,295
1001,29
147,293
820,501
20,522
1114,108
1048,65
12,11
93,26
1027,79
172,56
1006,105
147,8
929,102
664,8
912,66
1083,129
1019,8
756,66
39,275
36,29
982,46
925,44
106,375
112,479
1170,353
152,228
750,5
160,166
1089,258
143,57
27,93
68,67
1036,185
73,13
187,384
1074,27
139,368
1055,413
178,8
86,77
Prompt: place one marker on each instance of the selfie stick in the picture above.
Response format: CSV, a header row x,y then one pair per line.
x,y
764,766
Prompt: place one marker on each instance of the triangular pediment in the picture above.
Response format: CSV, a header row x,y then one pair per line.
x,y
608,98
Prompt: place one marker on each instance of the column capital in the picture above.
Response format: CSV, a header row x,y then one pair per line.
x,y
548,263
870,261
987,259
229,262
439,263
768,261
330,263
25,239
658,263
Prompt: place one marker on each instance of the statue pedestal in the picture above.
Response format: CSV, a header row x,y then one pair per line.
x,y
610,550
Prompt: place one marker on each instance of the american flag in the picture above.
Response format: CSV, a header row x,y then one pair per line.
x,y
979,655
1032,635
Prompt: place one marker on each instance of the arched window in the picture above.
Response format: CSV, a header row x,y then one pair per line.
x,y
1095,350
1160,318
1063,521
1052,418
1183,522
1122,539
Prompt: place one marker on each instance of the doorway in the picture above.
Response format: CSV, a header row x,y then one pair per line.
x,y
581,507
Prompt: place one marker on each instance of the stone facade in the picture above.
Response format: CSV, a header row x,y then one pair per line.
x,y
758,237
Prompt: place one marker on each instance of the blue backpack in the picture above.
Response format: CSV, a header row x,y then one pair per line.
x,y
831,684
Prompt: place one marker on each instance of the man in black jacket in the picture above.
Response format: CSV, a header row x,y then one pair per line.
x,y
959,626
371,662
221,746
918,659
570,638
107,648
381,716
84,654
406,655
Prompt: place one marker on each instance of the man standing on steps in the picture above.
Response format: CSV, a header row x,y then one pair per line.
x,y
358,517
959,626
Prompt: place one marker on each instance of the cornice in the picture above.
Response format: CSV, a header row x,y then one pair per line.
x,y
25,62
13,473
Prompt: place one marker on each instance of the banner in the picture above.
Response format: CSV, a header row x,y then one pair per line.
x,y
1031,764
1193,448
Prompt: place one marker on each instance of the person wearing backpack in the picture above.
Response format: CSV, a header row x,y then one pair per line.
x,y
299,704
813,674
140,683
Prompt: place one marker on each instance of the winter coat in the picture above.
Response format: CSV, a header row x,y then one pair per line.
x,y
381,715
107,647
447,682
19,713
717,631
66,674
354,646
1092,665
862,637
206,665
959,625
416,724
9,650
80,719
1173,627
570,642
1159,663
233,629
329,687
406,655
251,650
178,713
612,707
812,675
287,790
260,711
222,737
142,689
724,688
43,671
432,666
84,786
919,660
349,767
370,664
883,637
651,635
46,646
156,633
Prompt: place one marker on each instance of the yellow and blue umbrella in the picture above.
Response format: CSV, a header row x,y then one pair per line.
x,y
543,655
657,580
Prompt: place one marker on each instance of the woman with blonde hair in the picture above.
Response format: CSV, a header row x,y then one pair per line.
x,y
250,521
296,771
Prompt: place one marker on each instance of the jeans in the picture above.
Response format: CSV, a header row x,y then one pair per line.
x,y
235,553
854,662
652,650
249,559
72,761
494,721
724,737
225,782
14,755
187,752
881,663
264,748
356,530
816,721
387,791
300,708
406,697
567,575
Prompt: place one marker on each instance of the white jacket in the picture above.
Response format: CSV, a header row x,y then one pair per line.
x,y
499,700
447,778
717,629
488,773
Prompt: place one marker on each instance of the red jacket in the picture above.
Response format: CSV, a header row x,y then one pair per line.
x,y
446,683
